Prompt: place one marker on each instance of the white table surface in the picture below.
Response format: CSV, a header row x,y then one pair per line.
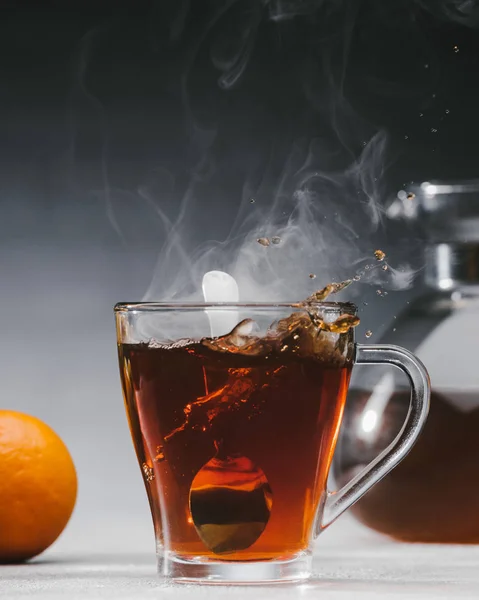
x,y
350,562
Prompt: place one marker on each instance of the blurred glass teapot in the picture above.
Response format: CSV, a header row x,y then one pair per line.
x,y
433,496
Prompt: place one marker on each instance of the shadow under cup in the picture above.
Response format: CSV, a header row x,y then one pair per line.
x,y
235,433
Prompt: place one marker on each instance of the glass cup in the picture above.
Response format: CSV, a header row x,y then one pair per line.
x,y
235,432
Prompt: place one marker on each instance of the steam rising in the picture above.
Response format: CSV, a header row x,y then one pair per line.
x,y
317,187
465,12
323,222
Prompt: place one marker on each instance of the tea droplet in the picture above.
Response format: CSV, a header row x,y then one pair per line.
x,y
368,333
252,200
406,137
357,278
331,288
339,287
284,347
411,196
421,114
447,111
433,130
365,303
380,255
456,49
148,472
160,455
264,241
379,292
312,276
384,267
342,324
276,240
426,66
394,329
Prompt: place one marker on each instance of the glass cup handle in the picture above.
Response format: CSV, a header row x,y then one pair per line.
x,y
339,501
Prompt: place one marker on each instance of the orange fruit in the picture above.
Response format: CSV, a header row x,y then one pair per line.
x,y
38,486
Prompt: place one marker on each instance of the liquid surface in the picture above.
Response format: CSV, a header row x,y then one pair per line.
x,y
235,436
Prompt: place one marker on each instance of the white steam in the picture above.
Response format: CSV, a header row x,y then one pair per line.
x,y
323,221
319,228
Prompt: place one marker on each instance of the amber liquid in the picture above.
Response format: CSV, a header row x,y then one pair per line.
x,y
235,449
433,495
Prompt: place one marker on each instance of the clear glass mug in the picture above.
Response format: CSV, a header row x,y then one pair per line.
x,y
235,433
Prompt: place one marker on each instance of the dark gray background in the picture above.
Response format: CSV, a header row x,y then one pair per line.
x,y
100,101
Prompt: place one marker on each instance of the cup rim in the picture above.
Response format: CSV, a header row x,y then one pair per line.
x,y
328,307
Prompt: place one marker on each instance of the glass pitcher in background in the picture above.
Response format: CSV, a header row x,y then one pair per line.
x,y
415,502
